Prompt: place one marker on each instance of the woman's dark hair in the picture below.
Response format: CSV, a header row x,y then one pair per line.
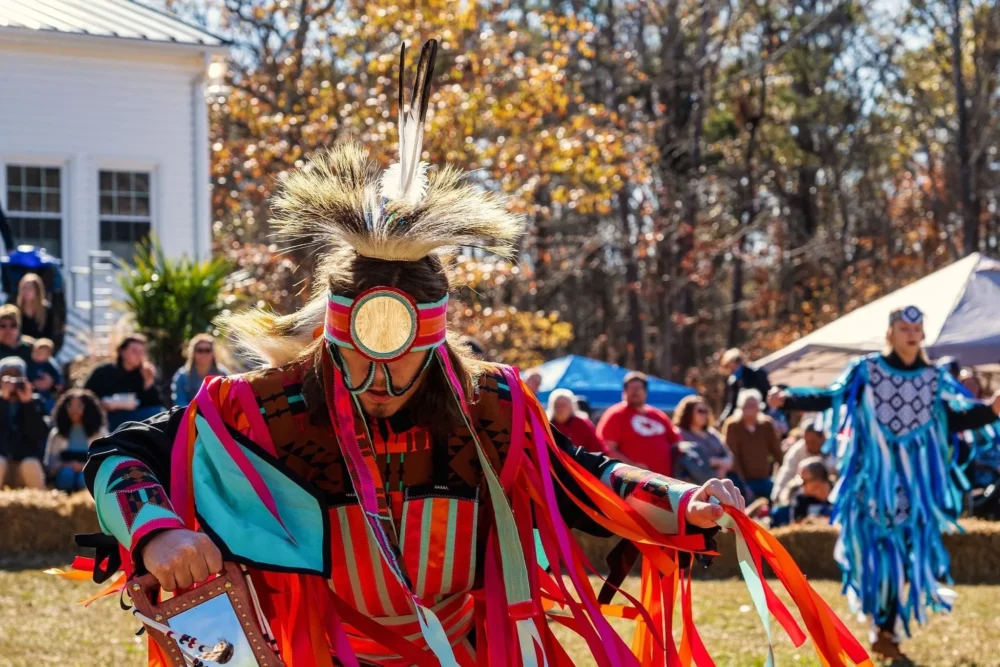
x,y
684,412
128,340
426,280
94,417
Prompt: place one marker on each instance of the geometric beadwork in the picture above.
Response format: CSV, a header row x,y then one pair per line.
x,y
902,403
626,481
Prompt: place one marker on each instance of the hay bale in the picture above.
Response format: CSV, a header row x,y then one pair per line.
x,y
38,522
975,553
82,513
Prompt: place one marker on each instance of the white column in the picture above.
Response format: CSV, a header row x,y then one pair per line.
x,y
201,194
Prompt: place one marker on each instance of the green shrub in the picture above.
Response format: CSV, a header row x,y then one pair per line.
x,y
171,300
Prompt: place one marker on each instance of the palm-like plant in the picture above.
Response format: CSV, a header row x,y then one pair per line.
x,y
171,300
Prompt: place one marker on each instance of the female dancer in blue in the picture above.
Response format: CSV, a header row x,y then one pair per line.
x,y
900,481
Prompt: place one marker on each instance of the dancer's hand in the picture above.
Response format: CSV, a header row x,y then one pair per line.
x,y
702,512
996,403
776,398
181,558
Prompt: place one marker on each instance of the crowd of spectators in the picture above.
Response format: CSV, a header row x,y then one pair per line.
x,y
46,426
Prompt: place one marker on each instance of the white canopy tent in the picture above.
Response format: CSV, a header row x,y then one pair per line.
x,y
961,305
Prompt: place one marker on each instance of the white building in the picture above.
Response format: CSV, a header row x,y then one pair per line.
x,y
103,127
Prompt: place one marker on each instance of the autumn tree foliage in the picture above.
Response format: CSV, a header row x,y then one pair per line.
x,y
694,175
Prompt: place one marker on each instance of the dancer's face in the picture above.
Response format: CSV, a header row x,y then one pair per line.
x,y
377,401
905,338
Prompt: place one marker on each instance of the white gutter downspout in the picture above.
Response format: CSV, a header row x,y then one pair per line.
x,y
202,225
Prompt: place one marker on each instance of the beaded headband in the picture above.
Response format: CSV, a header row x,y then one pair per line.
x,y
910,315
385,323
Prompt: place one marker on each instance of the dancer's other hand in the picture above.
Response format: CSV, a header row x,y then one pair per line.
x,y
181,558
702,512
776,398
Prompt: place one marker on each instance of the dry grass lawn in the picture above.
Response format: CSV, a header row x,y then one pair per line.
x,y
40,624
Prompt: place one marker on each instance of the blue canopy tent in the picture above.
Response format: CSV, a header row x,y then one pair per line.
x,y
601,383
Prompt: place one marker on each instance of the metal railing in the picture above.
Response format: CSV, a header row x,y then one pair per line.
x,y
93,314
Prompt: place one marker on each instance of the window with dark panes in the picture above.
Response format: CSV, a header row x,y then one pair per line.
x,y
34,206
124,211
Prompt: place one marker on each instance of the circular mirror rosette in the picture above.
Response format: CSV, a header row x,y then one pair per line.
x,y
384,323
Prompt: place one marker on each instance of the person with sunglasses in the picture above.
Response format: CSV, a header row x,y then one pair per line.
x,y
11,343
694,419
201,365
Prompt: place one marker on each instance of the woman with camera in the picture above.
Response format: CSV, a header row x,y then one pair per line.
x,y
22,426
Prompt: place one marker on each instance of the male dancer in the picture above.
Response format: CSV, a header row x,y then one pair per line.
x,y
381,485
899,485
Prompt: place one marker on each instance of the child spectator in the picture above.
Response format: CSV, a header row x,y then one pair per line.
x,y
43,374
79,420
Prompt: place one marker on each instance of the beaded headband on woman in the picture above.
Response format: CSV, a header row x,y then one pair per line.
x,y
910,315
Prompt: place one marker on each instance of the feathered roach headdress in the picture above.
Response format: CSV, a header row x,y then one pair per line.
x,y
343,201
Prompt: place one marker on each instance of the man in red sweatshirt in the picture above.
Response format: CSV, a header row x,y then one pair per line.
x,y
637,433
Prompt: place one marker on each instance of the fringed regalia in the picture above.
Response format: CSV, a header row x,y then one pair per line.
x,y
391,541
901,482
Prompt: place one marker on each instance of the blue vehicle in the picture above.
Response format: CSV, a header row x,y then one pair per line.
x,y
20,260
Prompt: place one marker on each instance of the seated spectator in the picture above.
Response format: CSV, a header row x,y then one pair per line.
x,y
575,426
534,381
812,502
11,343
809,445
22,429
36,319
694,419
127,386
200,364
43,373
79,420
754,442
583,407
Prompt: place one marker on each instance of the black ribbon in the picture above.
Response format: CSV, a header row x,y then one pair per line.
x,y
107,559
